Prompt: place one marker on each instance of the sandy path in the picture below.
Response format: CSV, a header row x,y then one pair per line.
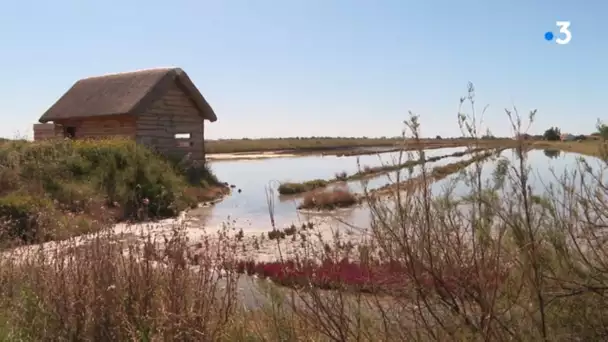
x,y
252,245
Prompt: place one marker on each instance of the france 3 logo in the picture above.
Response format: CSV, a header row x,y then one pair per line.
x,y
564,31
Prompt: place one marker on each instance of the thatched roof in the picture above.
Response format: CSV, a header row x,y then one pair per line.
x,y
123,93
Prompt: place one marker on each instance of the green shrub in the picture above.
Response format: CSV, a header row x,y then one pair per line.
x,y
9,180
72,196
80,176
25,216
196,173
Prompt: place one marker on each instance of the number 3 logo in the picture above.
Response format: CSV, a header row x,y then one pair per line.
x,y
564,28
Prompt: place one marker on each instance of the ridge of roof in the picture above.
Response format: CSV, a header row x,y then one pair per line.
x,y
126,73
123,93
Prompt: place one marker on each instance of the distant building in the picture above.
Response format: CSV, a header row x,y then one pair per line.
x,y
567,137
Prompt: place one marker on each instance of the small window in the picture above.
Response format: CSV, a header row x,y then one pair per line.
x,y
70,132
182,136
184,143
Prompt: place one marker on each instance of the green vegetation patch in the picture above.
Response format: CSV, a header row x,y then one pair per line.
x,y
99,179
290,188
294,144
296,188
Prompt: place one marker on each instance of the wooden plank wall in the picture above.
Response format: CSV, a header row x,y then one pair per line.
x,y
173,114
47,131
103,127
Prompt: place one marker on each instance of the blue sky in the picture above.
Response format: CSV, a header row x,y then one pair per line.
x,y
317,67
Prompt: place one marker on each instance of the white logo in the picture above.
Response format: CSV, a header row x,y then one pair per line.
x,y
564,28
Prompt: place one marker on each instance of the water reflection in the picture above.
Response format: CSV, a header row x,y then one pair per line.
x,y
249,209
552,153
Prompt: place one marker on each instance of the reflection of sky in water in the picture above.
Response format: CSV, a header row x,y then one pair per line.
x,y
250,208
391,177
255,174
544,171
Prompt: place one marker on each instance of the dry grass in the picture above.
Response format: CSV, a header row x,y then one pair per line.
x,y
292,144
329,199
590,147
99,293
207,194
291,188
441,172
333,145
436,174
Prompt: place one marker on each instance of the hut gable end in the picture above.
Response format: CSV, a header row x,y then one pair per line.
x,y
172,124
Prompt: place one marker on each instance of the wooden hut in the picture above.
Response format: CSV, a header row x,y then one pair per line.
x,y
160,108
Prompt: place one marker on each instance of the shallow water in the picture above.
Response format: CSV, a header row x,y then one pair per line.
x,y
258,173
546,170
249,209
